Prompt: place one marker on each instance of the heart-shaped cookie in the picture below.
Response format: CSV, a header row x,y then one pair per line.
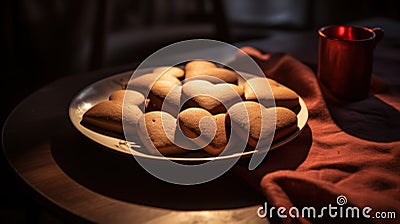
x,y
215,98
145,82
166,96
258,121
202,70
157,131
199,65
208,134
107,116
131,97
283,96
166,71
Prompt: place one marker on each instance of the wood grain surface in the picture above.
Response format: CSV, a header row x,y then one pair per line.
x,y
74,176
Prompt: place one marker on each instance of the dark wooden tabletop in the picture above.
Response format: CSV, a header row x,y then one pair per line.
x,y
76,177
73,174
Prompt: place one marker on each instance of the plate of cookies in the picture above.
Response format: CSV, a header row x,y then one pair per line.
x,y
203,101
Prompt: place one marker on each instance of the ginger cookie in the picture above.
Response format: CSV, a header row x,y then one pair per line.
x,y
210,134
145,82
253,118
107,116
255,89
131,97
157,132
200,69
213,98
166,96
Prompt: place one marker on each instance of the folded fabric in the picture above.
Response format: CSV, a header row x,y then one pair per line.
x,y
347,156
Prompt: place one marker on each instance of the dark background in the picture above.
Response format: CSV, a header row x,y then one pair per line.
x,y
44,40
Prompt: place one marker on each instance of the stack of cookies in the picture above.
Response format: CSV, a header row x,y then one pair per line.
x,y
197,106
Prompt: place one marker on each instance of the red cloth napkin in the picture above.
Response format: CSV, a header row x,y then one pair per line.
x,y
348,149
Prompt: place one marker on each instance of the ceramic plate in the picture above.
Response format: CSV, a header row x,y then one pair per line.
x,y
101,90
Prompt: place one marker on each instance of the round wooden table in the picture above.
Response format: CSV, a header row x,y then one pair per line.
x,y
89,183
